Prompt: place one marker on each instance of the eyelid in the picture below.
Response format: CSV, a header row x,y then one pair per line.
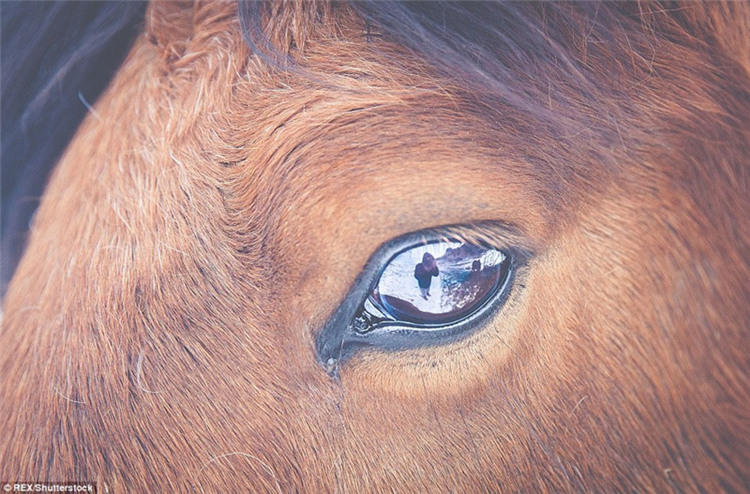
x,y
337,341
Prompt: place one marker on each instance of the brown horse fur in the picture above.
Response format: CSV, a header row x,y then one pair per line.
x,y
216,205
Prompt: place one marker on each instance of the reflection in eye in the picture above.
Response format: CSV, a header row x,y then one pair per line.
x,y
433,285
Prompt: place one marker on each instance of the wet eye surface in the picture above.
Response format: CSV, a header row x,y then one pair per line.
x,y
432,285
425,288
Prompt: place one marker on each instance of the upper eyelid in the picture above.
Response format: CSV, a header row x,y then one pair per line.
x,y
489,233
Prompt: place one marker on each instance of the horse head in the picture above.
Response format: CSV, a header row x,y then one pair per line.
x,y
184,314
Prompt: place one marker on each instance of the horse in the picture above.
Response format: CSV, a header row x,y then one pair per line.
x,y
183,316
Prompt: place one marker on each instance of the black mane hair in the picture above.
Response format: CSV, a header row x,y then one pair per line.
x,y
56,59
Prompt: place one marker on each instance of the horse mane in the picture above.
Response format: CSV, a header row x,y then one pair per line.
x,y
57,58
512,48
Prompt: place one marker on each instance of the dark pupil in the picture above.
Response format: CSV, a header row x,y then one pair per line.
x,y
438,283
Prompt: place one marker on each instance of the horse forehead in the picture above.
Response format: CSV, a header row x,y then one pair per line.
x,y
363,167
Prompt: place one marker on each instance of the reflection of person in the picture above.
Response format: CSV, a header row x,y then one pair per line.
x,y
476,266
424,271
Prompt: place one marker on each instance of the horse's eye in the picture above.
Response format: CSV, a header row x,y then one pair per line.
x,y
425,288
433,285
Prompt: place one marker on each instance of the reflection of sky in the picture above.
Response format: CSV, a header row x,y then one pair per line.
x,y
398,278
414,256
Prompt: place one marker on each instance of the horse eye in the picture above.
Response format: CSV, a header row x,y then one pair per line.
x,y
432,285
424,288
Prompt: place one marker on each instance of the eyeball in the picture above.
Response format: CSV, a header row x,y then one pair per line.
x,y
432,285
